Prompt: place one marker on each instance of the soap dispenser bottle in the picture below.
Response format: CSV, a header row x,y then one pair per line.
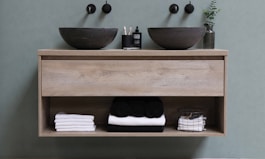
x,y
137,38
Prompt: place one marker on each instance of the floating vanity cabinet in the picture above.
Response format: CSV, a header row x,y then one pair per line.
x,y
86,81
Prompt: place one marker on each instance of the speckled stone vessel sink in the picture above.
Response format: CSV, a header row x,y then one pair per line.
x,y
88,38
176,38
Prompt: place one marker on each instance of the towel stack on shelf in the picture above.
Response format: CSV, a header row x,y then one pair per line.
x,y
192,122
136,114
74,122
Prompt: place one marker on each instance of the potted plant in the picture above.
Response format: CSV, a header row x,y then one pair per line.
x,y
210,14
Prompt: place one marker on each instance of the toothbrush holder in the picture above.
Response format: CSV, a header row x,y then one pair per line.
x,y
127,41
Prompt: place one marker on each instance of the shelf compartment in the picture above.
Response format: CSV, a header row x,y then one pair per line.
x,y
99,106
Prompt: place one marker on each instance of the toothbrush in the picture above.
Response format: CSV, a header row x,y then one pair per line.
x,y
130,31
124,30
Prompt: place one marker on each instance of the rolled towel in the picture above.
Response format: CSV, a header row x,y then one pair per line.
x,y
120,107
138,106
154,107
136,121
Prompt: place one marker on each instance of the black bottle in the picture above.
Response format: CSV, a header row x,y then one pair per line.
x,y
137,38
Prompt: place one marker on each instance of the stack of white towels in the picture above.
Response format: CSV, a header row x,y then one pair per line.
x,y
74,122
189,123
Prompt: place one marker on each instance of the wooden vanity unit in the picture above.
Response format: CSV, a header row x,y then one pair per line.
x,y
86,81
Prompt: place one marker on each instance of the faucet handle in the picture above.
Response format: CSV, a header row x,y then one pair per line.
x,y
173,8
91,8
106,8
189,8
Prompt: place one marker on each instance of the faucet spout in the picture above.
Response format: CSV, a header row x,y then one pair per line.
x,y
173,8
91,8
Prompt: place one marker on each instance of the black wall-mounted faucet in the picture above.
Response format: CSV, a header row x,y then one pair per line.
x,y
106,8
91,8
189,8
173,8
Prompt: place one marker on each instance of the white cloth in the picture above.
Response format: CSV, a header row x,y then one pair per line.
x,y
184,119
74,122
191,123
76,129
73,116
136,121
196,124
191,128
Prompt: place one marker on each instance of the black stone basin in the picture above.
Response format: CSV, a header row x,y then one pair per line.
x,y
88,38
176,38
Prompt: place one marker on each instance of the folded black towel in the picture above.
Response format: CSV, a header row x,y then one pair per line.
x,y
117,128
138,106
153,107
120,107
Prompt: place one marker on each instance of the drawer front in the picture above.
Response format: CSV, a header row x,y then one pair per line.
x,y
132,77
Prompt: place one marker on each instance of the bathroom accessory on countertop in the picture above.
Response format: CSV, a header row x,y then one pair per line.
x,y
137,38
209,37
127,42
131,40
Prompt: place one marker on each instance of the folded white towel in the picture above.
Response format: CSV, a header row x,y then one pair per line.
x,y
200,118
79,129
183,120
74,123
191,128
73,116
190,123
74,127
73,120
136,121
196,124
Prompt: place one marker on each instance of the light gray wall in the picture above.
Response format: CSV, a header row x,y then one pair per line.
x,y
29,25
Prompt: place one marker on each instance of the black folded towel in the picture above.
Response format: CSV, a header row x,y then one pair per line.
x,y
154,107
120,107
118,128
151,107
138,106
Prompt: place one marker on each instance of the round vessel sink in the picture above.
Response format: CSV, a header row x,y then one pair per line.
x,y
88,38
176,38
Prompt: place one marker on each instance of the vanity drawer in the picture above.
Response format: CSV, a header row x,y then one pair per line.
x,y
132,77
